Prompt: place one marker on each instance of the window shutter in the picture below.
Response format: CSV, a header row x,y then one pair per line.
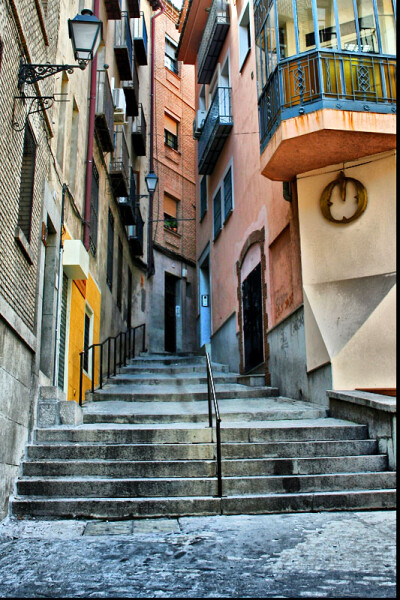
x,y
228,192
110,249
94,209
171,125
203,197
217,213
119,281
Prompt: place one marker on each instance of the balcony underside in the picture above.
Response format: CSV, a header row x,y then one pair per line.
x,y
104,133
140,51
217,139
139,143
131,98
216,42
126,211
123,62
325,137
136,246
119,183
113,9
133,8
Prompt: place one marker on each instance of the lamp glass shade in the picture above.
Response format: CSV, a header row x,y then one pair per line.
x,y
151,182
85,31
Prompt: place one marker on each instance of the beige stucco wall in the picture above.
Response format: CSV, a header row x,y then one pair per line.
x,y
349,275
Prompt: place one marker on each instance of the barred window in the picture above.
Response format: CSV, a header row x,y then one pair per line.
x,y
94,210
110,249
27,183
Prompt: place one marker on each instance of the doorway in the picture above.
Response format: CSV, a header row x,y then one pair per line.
x,y
170,313
252,319
205,301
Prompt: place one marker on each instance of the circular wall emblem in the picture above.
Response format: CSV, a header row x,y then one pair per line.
x,y
360,198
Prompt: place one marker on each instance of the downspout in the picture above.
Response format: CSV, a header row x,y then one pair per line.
x,y
150,257
89,154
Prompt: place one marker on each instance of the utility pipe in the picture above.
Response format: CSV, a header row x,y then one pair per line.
x,y
150,257
89,154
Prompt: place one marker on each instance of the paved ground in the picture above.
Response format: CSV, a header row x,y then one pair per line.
x,y
331,555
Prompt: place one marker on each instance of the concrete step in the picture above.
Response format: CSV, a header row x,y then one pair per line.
x,y
125,508
253,431
160,360
172,369
76,451
157,379
203,468
173,393
205,486
253,409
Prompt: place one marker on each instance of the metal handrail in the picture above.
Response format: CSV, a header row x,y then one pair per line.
x,y
212,399
128,351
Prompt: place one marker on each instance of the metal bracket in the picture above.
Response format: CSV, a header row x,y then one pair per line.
x,y
37,104
31,73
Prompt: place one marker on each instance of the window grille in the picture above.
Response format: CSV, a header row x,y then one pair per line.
x,y
203,197
94,210
110,249
119,281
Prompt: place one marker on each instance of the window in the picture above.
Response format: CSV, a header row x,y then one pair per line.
x,y
244,36
119,280
170,132
73,146
110,249
203,197
27,182
94,210
61,121
170,59
217,213
170,213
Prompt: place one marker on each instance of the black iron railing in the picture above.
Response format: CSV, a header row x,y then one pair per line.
x,y
119,349
212,403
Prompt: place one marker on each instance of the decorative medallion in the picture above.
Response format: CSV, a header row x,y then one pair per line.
x,y
360,198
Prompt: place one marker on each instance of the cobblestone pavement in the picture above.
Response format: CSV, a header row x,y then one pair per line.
x,y
324,555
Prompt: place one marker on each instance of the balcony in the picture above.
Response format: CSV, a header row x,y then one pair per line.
x,y
217,126
123,47
119,165
126,204
139,133
135,235
113,9
131,91
133,8
140,40
212,41
354,86
104,121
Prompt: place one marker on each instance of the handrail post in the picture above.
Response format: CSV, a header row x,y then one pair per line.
x,y
134,342
108,359
120,350
125,332
80,377
115,355
93,360
219,460
101,366
209,397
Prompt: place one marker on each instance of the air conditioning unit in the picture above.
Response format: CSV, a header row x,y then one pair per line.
x,y
198,123
119,105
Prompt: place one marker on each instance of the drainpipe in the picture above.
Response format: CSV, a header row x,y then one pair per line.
x,y
89,155
150,257
59,289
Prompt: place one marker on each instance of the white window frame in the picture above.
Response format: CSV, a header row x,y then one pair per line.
x,y
244,31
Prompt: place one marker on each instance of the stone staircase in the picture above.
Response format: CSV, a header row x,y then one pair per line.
x,y
145,449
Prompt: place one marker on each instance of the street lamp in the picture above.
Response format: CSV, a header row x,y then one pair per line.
x,y
85,31
151,182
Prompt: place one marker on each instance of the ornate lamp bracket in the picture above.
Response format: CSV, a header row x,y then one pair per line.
x,y
31,73
35,104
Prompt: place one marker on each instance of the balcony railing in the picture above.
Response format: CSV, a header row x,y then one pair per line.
x,y
104,112
126,204
133,8
119,166
135,234
139,132
131,91
212,41
113,9
324,79
123,47
217,126
140,40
